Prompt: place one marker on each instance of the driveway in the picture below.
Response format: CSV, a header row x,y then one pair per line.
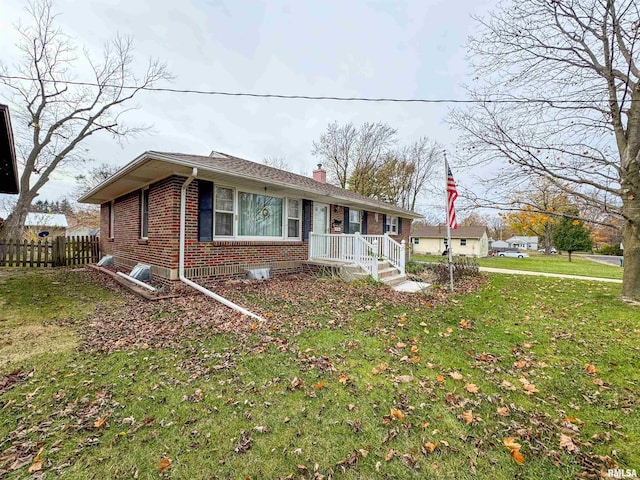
x,y
544,274
608,259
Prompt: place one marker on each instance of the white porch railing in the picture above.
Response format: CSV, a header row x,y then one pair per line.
x,y
363,250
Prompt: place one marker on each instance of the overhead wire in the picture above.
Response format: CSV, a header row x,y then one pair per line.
x,y
549,101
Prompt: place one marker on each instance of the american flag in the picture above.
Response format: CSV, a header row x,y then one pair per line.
x,y
452,194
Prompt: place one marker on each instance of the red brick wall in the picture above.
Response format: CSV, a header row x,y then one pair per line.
x,y
202,259
161,247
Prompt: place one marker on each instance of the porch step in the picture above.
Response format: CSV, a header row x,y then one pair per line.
x,y
394,280
410,286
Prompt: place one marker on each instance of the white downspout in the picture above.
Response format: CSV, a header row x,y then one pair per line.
x,y
185,280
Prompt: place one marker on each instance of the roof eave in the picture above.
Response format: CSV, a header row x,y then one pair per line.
x,y
152,155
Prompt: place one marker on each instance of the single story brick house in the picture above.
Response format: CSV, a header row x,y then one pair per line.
x,y
471,241
218,216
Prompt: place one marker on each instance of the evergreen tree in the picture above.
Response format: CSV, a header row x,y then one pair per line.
x,y
571,235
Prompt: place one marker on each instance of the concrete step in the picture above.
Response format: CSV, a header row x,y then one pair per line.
x,y
394,280
387,272
411,287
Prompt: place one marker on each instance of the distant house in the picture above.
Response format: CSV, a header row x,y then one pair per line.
x,y
499,245
8,167
471,241
523,243
44,224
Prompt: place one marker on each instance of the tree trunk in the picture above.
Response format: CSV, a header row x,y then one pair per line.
x,y
631,274
569,252
13,227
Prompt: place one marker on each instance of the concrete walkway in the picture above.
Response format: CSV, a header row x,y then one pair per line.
x,y
544,274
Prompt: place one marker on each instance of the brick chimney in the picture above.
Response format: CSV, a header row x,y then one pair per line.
x,y
319,175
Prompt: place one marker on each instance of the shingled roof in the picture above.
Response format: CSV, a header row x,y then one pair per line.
x,y
231,167
421,230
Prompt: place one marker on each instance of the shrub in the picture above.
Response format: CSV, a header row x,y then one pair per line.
x,y
462,267
414,268
610,250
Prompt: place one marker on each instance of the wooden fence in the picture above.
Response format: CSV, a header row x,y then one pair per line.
x,y
55,252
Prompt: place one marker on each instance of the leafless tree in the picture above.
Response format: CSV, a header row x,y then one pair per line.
x,y
276,162
570,73
350,154
54,114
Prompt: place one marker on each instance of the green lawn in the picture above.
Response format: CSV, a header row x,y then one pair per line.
x,y
353,381
543,263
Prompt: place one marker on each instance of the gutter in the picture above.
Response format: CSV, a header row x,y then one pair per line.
x,y
185,280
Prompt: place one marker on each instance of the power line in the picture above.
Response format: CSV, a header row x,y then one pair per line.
x,y
302,97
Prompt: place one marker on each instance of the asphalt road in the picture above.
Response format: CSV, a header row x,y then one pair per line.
x,y
608,259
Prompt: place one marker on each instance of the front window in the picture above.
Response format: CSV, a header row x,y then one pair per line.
x,y
144,214
223,225
355,217
293,218
392,225
259,215
463,242
416,240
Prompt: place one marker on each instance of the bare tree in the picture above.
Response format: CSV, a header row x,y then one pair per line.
x,y
94,177
570,72
55,115
276,162
337,150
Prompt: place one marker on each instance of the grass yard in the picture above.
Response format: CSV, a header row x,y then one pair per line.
x,y
531,379
542,263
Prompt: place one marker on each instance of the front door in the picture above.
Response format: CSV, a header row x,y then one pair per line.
x,y
320,226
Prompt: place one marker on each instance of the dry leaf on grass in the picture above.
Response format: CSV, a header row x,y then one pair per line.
x,y
514,450
429,447
471,388
397,414
590,369
568,444
468,416
503,411
456,375
164,464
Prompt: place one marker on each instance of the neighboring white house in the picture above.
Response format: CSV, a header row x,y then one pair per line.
x,y
54,224
498,245
472,241
523,243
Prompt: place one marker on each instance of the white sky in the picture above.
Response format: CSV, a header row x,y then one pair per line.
x,y
407,49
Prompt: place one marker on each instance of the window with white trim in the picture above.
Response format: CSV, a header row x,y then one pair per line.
x,y
259,215
223,212
463,242
355,221
416,240
293,218
144,213
392,225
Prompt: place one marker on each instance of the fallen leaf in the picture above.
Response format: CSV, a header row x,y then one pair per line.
x,y
164,464
440,378
429,447
319,385
511,444
456,375
261,429
36,467
503,411
468,416
507,385
343,379
397,414
389,455
590,369
568,444
529,389
414,360
100,422
403,379
471,388
517,456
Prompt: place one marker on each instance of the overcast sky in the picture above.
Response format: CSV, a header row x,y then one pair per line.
x,y
405,49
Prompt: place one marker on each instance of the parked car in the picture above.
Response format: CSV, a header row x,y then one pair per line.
x,y
553,251
514,254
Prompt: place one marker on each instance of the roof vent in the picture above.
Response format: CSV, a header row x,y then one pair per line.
x,y
141,272
105,261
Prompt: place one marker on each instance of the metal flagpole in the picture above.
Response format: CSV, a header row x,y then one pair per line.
x,y
446,208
